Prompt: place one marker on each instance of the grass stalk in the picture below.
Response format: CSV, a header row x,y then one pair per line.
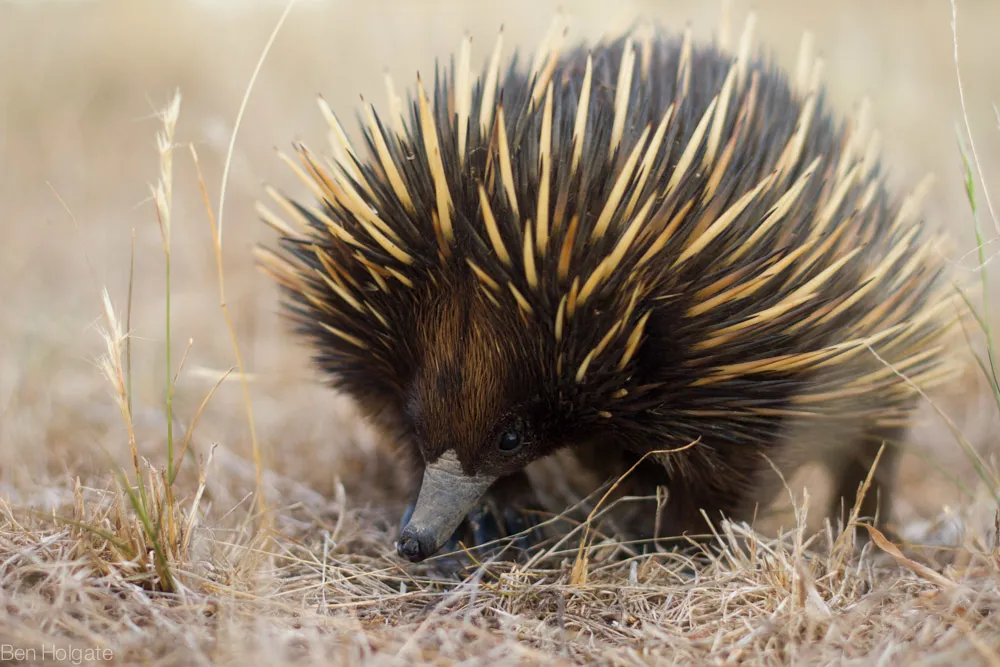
x,y
217,243
163,199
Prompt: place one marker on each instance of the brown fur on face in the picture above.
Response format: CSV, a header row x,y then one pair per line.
x,y
468,389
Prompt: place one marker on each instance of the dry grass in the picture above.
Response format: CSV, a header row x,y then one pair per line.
x,y
175,486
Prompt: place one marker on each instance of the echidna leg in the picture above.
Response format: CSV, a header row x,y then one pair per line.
x,y
508,509
684,516
852,472
738,491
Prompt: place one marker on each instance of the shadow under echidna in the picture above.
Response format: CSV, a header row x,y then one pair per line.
x,y
651,252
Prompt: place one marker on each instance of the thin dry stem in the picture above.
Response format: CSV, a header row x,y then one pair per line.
x,y
965,116
217,246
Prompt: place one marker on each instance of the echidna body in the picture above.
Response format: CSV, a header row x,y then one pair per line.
x,y
651,246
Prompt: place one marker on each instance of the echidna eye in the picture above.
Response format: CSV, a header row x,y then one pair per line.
x,y
509,441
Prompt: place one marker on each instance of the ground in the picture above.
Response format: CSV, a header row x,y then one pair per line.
x,y
312,577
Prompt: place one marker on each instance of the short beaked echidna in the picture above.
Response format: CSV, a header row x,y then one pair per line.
x,y
620,250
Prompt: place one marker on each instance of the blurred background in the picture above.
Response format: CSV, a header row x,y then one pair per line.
x,y
81,82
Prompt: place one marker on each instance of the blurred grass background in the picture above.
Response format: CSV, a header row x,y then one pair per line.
x,y
80,82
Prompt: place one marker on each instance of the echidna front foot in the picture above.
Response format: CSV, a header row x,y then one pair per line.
x,y
508,510
490,526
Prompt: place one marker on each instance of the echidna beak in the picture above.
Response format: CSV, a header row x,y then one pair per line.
x,y
446,495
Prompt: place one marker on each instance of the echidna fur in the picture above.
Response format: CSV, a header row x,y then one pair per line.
x,y
716,274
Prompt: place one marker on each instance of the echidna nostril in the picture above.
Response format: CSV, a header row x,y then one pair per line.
x,y
409,548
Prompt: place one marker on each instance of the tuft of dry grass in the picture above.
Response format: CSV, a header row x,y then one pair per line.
x,y
221,508
333,595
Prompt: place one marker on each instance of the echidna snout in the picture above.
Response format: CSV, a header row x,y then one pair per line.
x,y
447,494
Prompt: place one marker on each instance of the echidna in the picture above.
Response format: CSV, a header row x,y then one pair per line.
x,y
648,246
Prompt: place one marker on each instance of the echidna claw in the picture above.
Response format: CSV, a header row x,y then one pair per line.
x,y
484,526
518,524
